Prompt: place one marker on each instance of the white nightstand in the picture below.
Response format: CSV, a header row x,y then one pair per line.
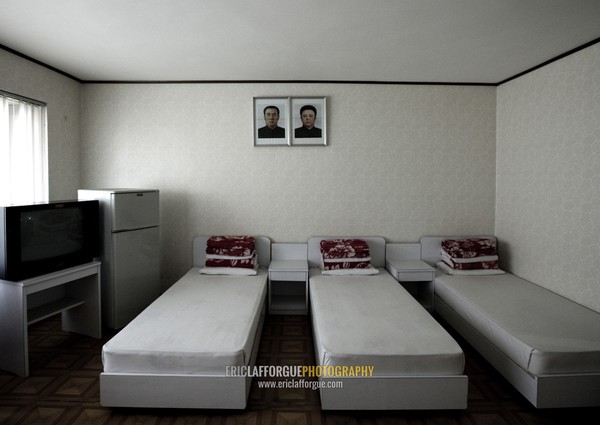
x,y
416,276
288,279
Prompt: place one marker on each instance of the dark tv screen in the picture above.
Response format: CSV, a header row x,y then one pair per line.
x,y
41,238
51,233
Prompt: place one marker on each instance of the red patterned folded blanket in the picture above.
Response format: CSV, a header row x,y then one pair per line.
x,y
469,248
231,242
338,265
344,248
478,265
244,263
230,252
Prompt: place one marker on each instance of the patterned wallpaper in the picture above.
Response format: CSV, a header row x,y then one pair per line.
x,y
62,95
402,161
548,176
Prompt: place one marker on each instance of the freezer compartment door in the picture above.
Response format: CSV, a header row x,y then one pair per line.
x,y
136,272
134,210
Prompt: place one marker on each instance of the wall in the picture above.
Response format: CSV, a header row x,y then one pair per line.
x,y
402,161
548,176
62,95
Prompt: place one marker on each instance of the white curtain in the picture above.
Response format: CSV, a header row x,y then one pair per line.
x,y
23,151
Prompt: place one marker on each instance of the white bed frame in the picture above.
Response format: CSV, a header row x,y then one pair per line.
x,y
544,391
186,391
393,392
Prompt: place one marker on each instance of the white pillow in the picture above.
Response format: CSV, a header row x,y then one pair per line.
x,y
235,271
479,272
345,260
349,272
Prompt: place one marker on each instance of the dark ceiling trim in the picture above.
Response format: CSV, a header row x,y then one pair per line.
x,y
543,64
37,62
520,74
285,82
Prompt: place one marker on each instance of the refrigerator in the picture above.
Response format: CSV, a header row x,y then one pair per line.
x,y
130,271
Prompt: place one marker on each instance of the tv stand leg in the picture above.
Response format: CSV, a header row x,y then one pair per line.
x,y
14,350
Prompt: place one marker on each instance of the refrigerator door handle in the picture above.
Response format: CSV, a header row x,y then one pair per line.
x,y
130,229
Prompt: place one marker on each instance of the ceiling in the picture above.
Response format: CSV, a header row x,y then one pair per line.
x,y
433,41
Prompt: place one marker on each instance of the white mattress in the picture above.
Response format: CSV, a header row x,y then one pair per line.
x,y
374,321
541,331
200,325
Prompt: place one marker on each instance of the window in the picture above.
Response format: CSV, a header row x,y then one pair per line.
x,y
23,150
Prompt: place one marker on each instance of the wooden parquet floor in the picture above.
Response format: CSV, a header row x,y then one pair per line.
x,y
63,388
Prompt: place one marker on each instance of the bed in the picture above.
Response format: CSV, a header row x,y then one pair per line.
x,y
176,352
545,345
371,320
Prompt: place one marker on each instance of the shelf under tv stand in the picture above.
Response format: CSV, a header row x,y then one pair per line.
x,y
73,292
50,309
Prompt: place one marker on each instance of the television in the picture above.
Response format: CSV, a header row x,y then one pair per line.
x,y
42,238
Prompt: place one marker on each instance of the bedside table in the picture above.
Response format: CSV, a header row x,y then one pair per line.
x,y
288,280
416,276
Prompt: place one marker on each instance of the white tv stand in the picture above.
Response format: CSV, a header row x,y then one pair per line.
x,y
73,292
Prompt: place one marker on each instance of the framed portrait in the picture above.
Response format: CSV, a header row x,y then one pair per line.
x,y
272,121
309,121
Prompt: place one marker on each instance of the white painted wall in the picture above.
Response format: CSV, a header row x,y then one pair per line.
x,y
402,161
548,176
